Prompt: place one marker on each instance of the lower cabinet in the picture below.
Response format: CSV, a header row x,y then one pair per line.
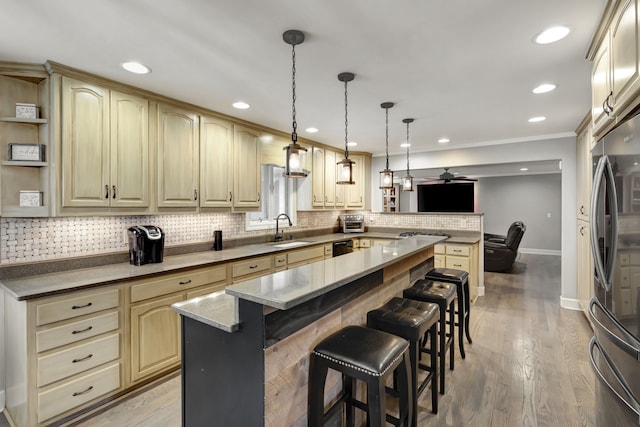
x,y
459,256
585,266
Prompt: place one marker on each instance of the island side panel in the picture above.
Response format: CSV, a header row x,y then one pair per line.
x,y
223,373
287,362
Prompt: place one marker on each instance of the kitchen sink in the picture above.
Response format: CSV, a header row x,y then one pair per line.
x,y
291,244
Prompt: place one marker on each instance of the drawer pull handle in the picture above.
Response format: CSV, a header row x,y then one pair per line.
x,y
83,359
79,393
185,283
253,266
76,307
87,329
457,265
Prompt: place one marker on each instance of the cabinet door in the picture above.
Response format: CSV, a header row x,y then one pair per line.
x,y
85,144
246,182
600,86
341,190
178,157
355,193
155,337
317,177
329,178
129,151
585,269
216,162
583,172
625,58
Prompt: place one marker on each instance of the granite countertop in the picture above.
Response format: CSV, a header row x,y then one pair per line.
x,y
464,240
55,283
286,289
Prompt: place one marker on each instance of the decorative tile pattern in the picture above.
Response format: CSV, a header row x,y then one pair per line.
x,y
37,239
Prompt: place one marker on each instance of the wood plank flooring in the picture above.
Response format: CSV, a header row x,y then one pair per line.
x,y
528,364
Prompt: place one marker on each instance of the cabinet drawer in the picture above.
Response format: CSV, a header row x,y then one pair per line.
x,y
170,283
457,262
623,258
280,261
76,331
205,290
624,277
440,248
294,257
634,258
439,261
365,243
76,306
457,250
72,361
328,250
77,392
251,266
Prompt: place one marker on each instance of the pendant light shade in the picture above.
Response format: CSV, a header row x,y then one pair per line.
x,y
296,154
386,175
407,180
344,168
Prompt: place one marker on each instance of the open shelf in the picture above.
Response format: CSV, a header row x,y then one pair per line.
x,y
24,163
25,211
17,120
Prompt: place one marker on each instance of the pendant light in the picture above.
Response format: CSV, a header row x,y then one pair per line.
x,y
344,168
386,176
407,181
296,154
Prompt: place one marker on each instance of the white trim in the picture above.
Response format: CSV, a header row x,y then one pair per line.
x,y
570,303
481,291
540,251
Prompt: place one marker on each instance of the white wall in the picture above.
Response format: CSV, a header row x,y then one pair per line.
x,y
561,148
533,199
2,394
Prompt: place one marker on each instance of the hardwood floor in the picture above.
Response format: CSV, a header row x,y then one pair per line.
x,y
528,364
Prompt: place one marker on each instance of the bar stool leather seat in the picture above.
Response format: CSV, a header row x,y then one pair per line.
x,y
414,321
360,353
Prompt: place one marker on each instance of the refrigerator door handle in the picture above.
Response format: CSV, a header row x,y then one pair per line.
x,y
613,207
593,212
633,405
619,342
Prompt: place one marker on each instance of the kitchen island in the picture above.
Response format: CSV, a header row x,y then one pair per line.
x,y
245,350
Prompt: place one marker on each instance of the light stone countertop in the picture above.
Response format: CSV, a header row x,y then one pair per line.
x,y
464,240
286,289
56,283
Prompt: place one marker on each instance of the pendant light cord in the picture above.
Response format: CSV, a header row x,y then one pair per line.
x,y
294,135
346,123
387,135
407,148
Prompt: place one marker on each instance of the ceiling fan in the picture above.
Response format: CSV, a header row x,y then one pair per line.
x,y
447,176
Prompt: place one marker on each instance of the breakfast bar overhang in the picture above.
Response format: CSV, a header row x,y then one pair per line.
x,y
245,351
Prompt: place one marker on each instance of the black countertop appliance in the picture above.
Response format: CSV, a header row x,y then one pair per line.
x,y
146,244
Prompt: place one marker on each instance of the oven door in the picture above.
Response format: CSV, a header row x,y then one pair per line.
x,y
342,247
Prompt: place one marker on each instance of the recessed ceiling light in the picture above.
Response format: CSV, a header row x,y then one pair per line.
x,y
311,130
524,169
544,88
405,145
135,67
443,140
537,119
551,35
352,144
240,105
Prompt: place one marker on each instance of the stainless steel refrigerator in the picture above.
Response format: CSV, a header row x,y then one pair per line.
x,y
615,308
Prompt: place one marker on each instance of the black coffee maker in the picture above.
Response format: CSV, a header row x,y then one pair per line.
x,y
146,244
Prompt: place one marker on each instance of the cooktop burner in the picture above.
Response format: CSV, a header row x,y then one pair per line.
x,y
422,233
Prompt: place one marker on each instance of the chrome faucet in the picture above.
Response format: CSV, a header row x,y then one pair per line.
x,y
279,235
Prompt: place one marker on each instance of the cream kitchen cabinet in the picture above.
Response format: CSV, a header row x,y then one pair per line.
x,y
154,327
355,193
615,77
305,256
216,162
459,256
250,268
247,158
317,176
62,354
104,147
584,168
330,200
585,266
178,157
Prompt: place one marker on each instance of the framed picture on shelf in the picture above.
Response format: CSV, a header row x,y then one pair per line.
x,y
26,152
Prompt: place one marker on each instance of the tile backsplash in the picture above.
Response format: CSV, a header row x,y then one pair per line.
x,y
25,240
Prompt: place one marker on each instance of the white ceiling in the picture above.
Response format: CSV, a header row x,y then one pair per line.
x,y
462,69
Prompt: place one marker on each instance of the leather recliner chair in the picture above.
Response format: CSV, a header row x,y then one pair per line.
x,y
500,251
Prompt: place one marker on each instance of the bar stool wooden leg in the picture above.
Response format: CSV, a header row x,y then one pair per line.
x,y
318,378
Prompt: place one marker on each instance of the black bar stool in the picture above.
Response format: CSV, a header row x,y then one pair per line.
x,y
364,354
442,294
460,278
413,321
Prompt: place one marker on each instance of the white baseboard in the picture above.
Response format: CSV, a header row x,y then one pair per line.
x,y
480,291
2,400
540,251
570,303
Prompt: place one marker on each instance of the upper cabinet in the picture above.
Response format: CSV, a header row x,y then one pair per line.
x,y
26,170
247,158
216,162
355,193
105,147
615,77
583,169
317,177
178,157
